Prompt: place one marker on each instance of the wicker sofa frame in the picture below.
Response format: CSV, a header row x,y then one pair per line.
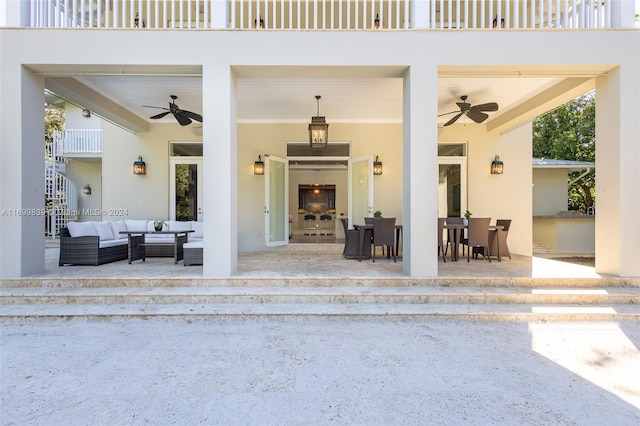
x,y
192,256
86,250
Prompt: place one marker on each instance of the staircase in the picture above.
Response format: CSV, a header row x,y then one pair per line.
x,y
482,299
60,191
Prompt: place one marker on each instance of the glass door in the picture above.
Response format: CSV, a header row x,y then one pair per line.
x,y
276,201
186,189
452,186
360,189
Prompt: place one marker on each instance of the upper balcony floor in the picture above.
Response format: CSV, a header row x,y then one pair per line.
x,y
319,14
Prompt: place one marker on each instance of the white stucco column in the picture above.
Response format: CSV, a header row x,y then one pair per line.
x,y
617,172
420,171
220,164
14,13
22,194
421,14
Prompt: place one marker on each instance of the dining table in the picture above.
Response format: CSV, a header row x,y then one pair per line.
x,y
457,231
361,234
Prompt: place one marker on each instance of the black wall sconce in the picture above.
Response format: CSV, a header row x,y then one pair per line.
x,y
377,167
497,166
86,113
86,190
258,167
139,167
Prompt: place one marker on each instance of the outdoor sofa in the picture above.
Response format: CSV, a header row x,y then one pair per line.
x,y
97,243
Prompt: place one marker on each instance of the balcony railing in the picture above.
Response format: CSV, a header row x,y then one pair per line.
x,y
319,14
77,141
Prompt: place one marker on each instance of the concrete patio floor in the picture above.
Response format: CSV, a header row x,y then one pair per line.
x,y
318,261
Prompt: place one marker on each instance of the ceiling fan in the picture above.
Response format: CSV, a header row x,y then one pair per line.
x,y
474,112
184,117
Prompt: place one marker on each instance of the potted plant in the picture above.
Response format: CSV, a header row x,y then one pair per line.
x,y
377,213
467,215
158,224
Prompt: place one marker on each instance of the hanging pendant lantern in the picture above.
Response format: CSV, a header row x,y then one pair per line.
x,y
318,129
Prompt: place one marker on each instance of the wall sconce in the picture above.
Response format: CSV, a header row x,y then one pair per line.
x,y
139,167
318,129
497,166
86,113
86,190
258,167
377,167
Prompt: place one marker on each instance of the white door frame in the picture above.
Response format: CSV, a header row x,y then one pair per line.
x,y
271,240
173,161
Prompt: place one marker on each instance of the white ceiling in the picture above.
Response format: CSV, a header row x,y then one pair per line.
x,y
345,98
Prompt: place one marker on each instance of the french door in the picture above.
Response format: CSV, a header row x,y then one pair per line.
x,y
360,189
452,186
276,201
186,188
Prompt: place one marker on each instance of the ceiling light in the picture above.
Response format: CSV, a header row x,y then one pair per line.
x,y
318,129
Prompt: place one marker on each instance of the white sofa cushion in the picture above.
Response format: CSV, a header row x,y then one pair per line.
x,y
136,225
118,226
198,229
195,244
82,229
113,243
104,230
176,225
162,238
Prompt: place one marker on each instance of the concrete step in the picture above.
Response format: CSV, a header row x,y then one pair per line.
x,y
368,282
212,311
466,302
334,295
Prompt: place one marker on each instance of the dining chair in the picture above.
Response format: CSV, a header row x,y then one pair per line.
x,y
478,236
452,234
368,221
384,235
441,244
504,248
352,241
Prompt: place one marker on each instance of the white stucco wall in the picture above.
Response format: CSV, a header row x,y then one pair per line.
x,y
505,196
550,190
384,140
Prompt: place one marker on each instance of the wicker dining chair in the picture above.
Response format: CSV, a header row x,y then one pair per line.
x,y
441,243
478,236
384,235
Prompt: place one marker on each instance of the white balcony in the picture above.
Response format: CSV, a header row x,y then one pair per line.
x,y
78,143
325,14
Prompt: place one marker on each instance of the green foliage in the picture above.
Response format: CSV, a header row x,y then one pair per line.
x,y
568,133
53,120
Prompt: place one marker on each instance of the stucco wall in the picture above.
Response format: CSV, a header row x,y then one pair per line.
x,y
141,196
565,234
550,190
384,140
505,196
